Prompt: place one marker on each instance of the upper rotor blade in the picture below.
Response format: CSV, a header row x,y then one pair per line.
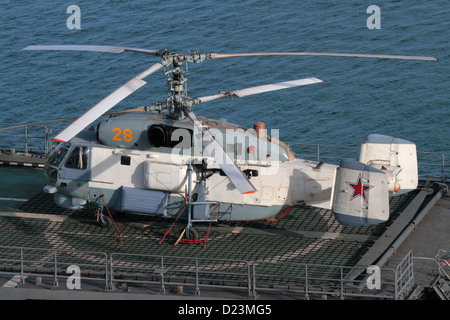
x,y
107,103
260,89
111,49
228,55
224,161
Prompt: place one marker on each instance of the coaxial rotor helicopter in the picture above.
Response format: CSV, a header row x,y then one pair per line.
x,y
162,159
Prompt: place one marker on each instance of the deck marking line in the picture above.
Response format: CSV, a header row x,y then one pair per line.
x,y
13,199
13,282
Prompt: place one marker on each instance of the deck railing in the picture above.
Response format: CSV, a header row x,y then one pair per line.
x,y
156,273
433,166
26,138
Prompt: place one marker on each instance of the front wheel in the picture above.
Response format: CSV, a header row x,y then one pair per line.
x,y
105,221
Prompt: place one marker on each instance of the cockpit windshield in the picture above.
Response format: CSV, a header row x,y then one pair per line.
x,y
54,162
58,155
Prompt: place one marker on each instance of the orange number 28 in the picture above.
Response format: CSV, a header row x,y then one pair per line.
x,y
126,134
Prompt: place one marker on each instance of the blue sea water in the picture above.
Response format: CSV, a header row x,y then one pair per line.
x,y
403,98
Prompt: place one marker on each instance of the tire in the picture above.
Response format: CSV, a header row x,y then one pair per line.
x,y
193,234
107,222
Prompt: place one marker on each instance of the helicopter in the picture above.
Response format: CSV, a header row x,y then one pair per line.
x,y
163,160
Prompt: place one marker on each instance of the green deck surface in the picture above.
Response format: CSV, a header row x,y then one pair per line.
x,y
305,235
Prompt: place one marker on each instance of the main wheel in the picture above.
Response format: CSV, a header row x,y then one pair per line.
x,y
193,235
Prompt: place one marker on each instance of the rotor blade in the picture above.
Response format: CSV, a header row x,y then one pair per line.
x,y
107,103
228,55
110,49
260,89
272,87
224,161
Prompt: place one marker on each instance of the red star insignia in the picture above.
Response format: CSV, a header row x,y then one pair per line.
x,y
359,188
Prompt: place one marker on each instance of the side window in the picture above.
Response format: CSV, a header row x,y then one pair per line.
x,y
78,159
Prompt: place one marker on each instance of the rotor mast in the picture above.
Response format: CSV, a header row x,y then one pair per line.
x,y
178,101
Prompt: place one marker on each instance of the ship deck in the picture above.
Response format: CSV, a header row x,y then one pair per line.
x,y
278,252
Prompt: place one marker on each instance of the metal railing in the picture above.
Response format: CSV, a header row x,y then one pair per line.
x,y
53,264
331,281
438,265
404,276
250,278
432,165
187,271
26,138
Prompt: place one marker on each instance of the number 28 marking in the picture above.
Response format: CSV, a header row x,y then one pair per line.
x,y
126,134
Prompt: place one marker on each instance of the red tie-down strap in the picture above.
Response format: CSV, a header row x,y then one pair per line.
x,y
115,226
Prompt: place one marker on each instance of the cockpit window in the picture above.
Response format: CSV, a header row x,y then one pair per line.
x,y
77,159
57,156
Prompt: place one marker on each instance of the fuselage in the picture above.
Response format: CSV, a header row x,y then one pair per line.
x,y
143,162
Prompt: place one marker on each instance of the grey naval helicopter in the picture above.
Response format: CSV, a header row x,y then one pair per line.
x,y
163,159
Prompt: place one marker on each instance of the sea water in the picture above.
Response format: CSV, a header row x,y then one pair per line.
x,y
403,98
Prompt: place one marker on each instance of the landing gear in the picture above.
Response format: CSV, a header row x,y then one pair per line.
x,y
104,221
103,218
192,235
189,235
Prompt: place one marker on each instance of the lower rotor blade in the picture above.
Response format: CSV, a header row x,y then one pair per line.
x,y
110,49
260,89
273,87
107,103
382,56
224,161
